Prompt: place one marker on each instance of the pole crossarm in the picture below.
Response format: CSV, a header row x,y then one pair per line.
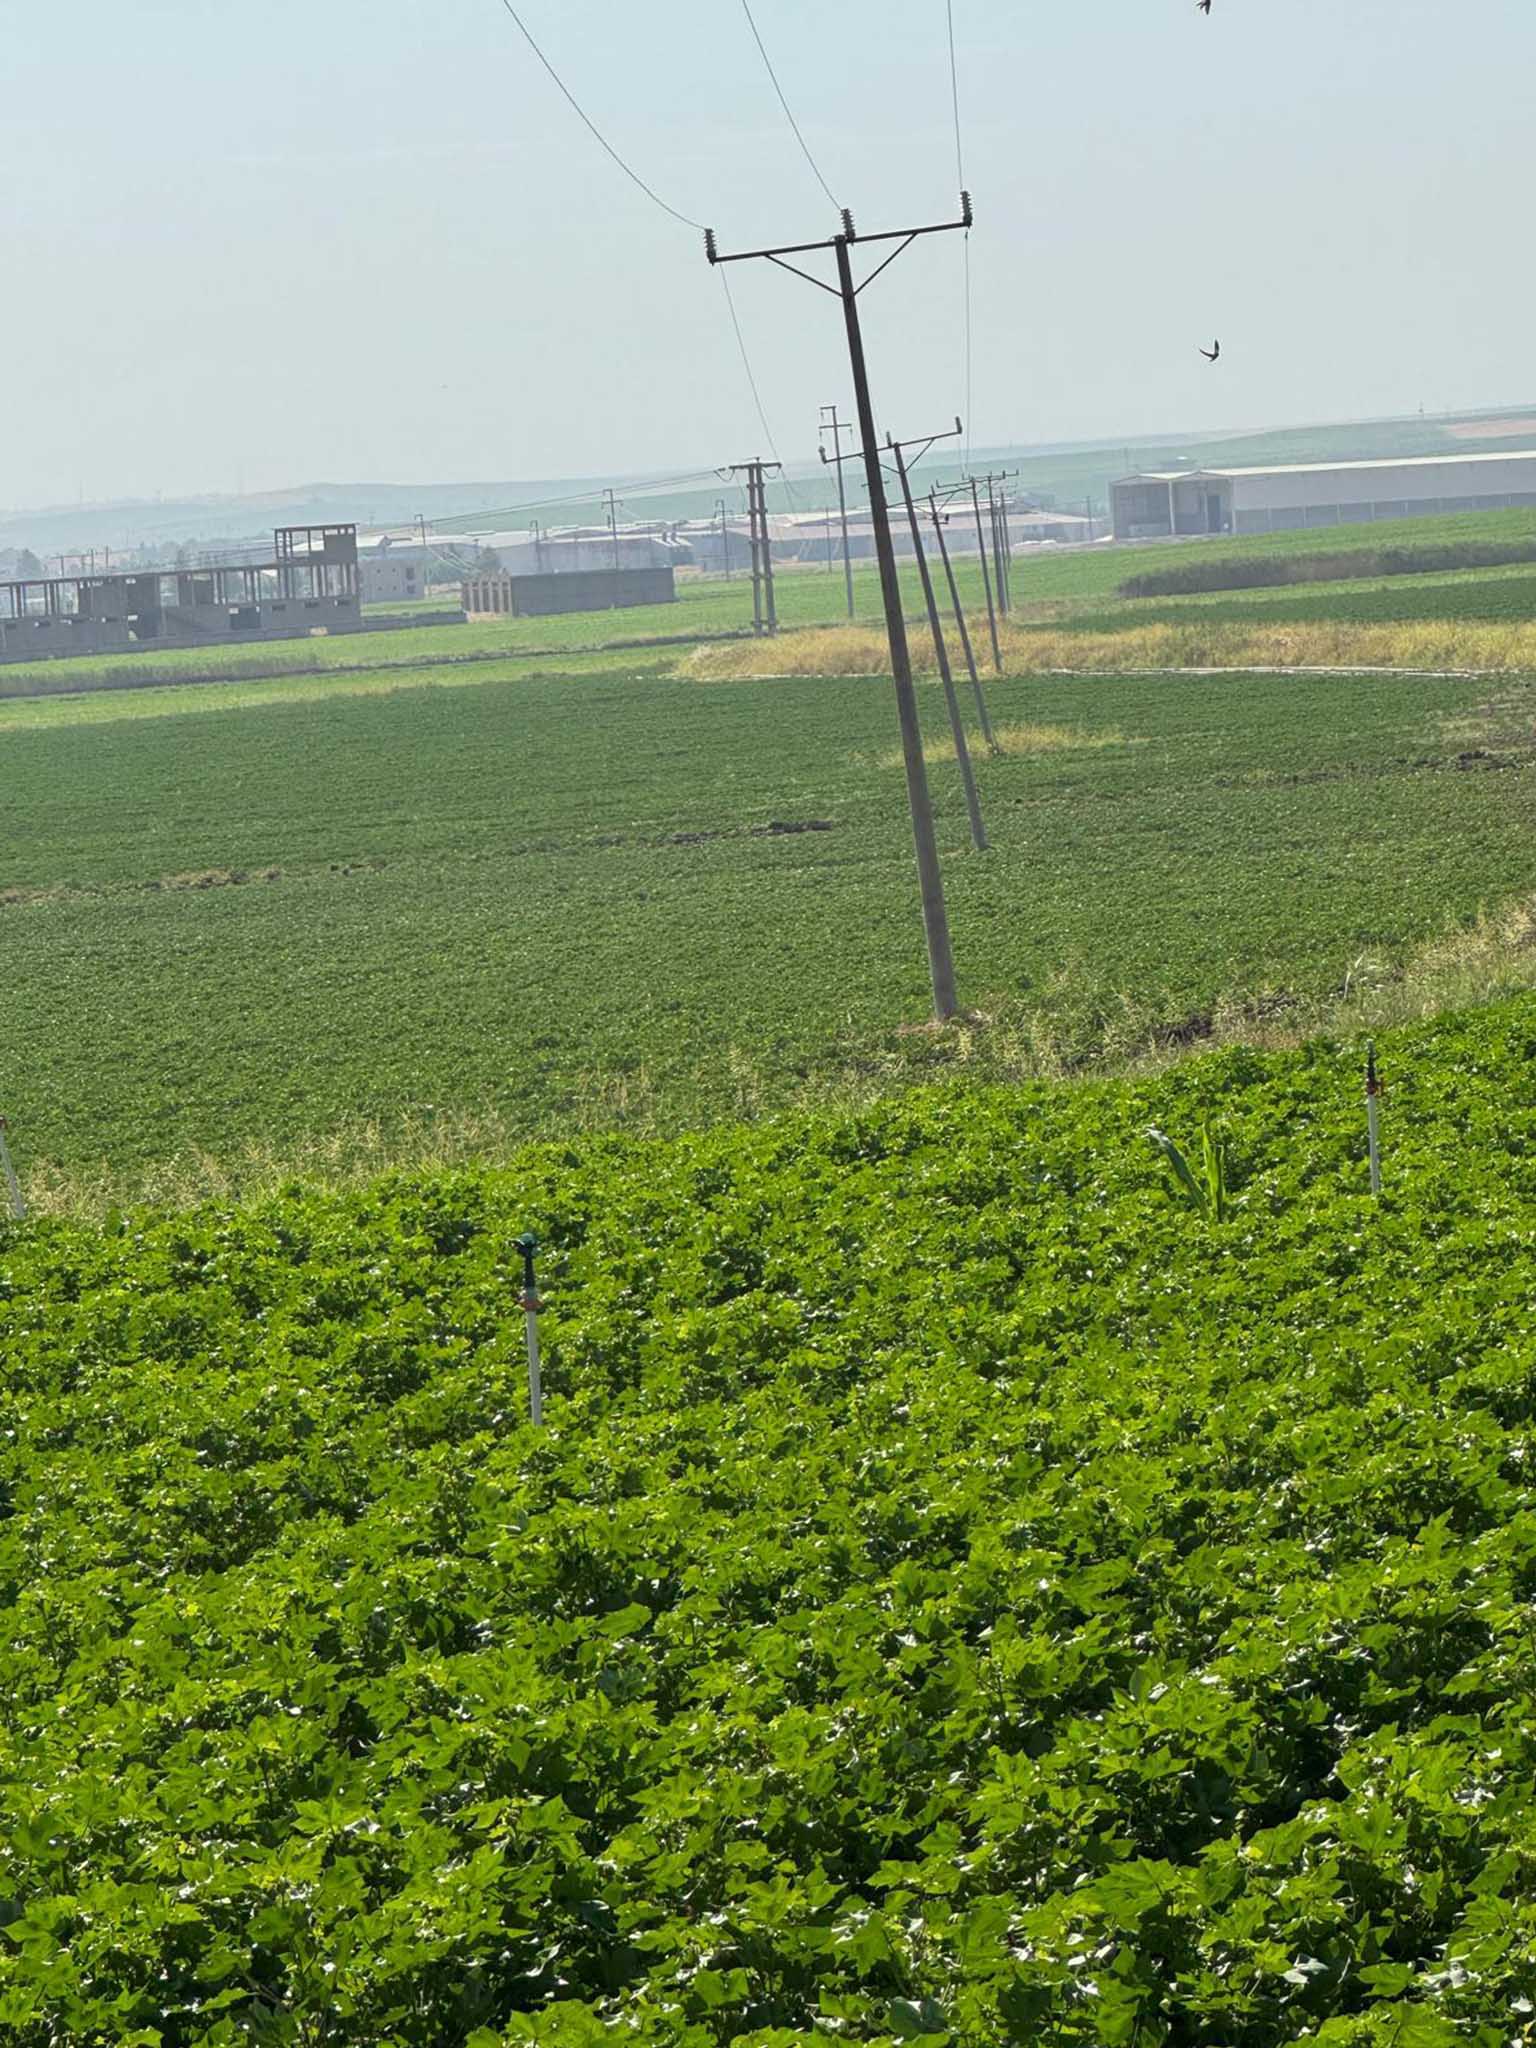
x,y
850,234
923,442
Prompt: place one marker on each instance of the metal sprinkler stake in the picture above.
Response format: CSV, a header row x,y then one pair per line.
x,y
1373,1116
529,1246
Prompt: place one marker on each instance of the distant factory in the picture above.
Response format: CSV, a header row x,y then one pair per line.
x,y
1164,504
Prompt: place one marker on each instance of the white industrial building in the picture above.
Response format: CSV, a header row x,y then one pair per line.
x,y
1159,504
818,536
394,567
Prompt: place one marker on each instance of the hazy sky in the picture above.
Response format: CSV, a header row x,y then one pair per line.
x,y
365,239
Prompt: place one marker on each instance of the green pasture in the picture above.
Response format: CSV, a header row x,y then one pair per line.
x,y
586,899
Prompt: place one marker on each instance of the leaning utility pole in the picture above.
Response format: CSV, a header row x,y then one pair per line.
x,y
765,615
939,519
725,537
940,646
837,428
941,964
986,577
997,513
999,559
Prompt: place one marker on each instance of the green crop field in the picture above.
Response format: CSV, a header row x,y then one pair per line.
x,y
975,1589
1499,595
531,902
1067,581
965,1595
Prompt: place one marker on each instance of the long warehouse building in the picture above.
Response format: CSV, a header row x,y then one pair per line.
x,y
1160,504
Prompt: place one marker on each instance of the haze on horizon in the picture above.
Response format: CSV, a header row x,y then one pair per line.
x,y
253,250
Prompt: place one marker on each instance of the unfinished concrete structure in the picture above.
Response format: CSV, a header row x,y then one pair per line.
x,y
308,585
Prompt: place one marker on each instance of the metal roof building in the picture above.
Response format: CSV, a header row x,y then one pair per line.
x,y
1159,504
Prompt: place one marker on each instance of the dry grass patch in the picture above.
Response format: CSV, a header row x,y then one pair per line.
x,y
840,651
1021,741
1435,647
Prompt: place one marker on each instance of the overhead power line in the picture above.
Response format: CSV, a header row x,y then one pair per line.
x,y
480,522
592,127
651,193
954,93
746,364
784,103
970,352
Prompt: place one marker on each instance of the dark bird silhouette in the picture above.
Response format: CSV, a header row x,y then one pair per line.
x,y
1202,6
1212,354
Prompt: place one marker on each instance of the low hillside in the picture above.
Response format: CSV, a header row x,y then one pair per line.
x,y
965,1593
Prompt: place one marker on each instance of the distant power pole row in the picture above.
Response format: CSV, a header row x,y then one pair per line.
x,y
765,616
837,428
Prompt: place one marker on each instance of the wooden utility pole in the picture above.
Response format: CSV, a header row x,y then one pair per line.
x,y
765,616
939,519
941,964
940,645
837,428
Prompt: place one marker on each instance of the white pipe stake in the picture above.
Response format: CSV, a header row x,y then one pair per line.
x,y
18,1201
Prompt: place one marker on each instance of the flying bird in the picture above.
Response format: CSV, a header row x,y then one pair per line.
x,y
1202,6
1212,354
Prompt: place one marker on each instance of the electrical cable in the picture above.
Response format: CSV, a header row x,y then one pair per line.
x,y
784,103
473,522
650,192
746,364
593,129
970,353
954,94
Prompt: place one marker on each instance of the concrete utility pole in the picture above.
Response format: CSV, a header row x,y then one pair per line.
x,y
939,519
837,428
765,615
986,577
613,534
999,557
941,964
940,646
